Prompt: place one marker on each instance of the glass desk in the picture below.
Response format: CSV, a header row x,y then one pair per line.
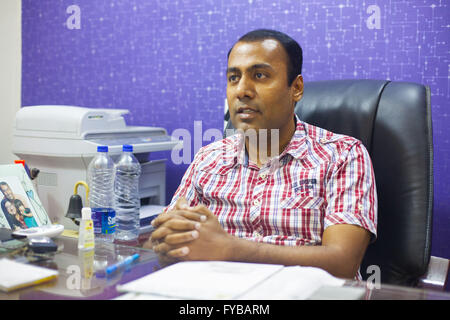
x,y
82,276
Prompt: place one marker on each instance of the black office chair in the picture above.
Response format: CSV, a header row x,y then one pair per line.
x,y
393,120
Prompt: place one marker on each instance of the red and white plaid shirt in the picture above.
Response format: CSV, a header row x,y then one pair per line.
x,y
320,179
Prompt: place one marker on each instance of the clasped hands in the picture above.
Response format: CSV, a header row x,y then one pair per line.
x,y
189,233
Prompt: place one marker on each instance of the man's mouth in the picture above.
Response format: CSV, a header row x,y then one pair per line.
x,y
246,109
246,113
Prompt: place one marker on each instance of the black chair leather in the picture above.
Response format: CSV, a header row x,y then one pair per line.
x,y
393,120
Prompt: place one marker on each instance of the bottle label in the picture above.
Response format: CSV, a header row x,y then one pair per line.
x,y
104,220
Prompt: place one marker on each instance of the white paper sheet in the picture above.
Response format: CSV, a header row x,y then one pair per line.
x,y
15,274
292,283
202,280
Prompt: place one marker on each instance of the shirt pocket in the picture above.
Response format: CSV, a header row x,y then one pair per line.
x,y
310,199
301,216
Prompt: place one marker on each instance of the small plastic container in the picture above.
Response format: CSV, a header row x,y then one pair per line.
x,y
86,239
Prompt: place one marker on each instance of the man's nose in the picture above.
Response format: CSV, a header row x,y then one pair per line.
x,y
245,88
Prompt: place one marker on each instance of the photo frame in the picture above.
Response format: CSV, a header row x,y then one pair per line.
x,y
21,207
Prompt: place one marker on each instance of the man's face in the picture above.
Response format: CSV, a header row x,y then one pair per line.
x,y
258,93
7,191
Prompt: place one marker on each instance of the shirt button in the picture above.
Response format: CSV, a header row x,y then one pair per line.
x,y
263,176
256,234
323,140
360,206
256,202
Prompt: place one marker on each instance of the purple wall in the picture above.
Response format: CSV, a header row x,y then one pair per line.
x,y
165,60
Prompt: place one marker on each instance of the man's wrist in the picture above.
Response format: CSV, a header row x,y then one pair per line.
x,y
231,248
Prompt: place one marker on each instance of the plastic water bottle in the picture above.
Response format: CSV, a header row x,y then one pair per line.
x,y
101,194
127,200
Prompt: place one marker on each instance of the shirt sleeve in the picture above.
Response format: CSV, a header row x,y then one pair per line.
x,y
351,195
187,188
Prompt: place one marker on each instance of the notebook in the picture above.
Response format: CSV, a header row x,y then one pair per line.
x,y
15,275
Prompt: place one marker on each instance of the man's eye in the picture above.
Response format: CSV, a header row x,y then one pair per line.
x,y
233,78
260,75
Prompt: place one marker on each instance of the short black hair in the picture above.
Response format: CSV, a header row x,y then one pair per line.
x,y
293,49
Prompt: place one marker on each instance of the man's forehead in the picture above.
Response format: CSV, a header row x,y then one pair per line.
x,y
264,50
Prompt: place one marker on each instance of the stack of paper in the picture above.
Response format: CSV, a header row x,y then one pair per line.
x,y
230,280
15,275
202,280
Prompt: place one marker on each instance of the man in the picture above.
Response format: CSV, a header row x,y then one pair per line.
x,y
9,195
311,201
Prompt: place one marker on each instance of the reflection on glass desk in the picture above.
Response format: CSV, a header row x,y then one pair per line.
x,y
82,276
82,273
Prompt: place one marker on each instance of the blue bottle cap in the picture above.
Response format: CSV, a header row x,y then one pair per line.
x,y
102,149
127,148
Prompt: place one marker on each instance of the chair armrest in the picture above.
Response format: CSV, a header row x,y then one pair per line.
x,y
436,275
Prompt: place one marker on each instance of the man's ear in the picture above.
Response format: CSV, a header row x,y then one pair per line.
x,y
297,87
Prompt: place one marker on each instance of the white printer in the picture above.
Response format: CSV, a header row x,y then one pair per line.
x,y
61,141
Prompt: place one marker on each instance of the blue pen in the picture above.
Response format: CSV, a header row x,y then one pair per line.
x,y
124,263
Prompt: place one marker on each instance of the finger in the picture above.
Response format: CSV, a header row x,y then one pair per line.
x,y
181,203
201,209
182,237
182,225
159,234
148,244
174,226
191,215
164,260
162,218
162,248
178,253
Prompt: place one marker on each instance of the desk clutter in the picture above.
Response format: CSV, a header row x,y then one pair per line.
x,y
26,233
62,140
121,206
24,249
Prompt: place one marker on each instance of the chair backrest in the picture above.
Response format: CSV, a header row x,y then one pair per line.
x,y
393,120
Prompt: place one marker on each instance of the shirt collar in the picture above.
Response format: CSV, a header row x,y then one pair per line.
x,y
296,147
